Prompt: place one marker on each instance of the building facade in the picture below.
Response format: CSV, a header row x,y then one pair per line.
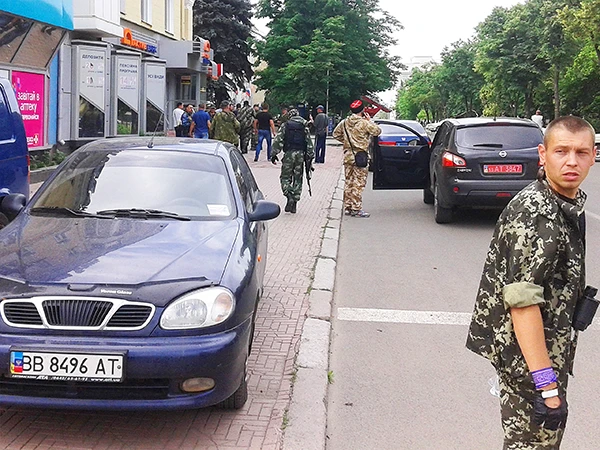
x,y
125,66
31,32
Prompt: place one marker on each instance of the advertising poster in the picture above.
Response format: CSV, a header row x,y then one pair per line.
x,y
156,85
30,91
128,88
91,69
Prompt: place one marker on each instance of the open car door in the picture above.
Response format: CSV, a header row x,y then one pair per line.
x,y
400,158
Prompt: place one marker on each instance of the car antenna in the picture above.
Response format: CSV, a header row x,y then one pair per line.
x,y
151,143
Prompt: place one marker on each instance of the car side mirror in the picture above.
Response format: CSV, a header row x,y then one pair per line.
x,y
264,210
12,204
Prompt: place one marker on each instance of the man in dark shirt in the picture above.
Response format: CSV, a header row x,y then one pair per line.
x,y
265,127
321,124
200,123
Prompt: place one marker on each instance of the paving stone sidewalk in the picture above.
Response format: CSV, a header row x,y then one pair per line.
x,y
294,244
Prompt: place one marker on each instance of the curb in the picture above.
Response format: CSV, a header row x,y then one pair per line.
x,y
307,413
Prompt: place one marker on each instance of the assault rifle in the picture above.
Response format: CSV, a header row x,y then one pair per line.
x,y
308,169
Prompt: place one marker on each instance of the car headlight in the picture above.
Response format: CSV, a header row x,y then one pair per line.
x,y
198,309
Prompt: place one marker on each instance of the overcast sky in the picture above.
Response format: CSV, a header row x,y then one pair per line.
x,y
431,25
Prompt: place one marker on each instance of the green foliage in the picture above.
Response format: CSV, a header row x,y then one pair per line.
x,y
48,158
227,25
318,46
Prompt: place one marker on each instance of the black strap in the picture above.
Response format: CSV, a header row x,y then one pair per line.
x,y
349,140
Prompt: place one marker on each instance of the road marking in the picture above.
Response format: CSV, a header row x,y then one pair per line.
x,y
414,317
591,214
399,316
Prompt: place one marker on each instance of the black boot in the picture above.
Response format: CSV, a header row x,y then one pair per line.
x,y
293,207
288,205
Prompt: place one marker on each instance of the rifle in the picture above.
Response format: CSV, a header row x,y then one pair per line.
x,y
308,169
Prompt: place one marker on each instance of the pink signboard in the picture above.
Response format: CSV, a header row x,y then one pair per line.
x,y
30,90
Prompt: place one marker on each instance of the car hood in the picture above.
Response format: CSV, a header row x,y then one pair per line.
x,y
46,250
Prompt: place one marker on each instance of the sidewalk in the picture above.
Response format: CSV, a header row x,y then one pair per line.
x,y
298,283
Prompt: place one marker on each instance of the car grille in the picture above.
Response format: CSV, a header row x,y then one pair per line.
x,y
77,313
133,389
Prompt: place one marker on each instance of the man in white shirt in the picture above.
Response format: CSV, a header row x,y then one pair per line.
x,y
177,114
538,118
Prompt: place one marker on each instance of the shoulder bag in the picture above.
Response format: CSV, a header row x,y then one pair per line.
x,y
361,158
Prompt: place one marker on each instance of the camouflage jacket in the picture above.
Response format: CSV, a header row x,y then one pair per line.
x,y
225,127
536,256
360,131
280,139
246,117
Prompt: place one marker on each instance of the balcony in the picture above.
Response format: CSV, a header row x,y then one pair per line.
x,y
100,18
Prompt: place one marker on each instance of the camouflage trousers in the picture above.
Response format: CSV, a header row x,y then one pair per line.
x,y
246,135
516,403
292,172
356,180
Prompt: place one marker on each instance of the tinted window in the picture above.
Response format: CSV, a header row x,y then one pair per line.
x,y
499,136
6,128
415,126
395,130
192,185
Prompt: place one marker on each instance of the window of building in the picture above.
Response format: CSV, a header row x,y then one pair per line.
x,y
169,16
147,11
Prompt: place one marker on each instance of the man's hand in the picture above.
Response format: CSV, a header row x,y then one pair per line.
x,y
274,159
548,417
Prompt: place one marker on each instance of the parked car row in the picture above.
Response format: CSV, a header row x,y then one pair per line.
x,y
472,162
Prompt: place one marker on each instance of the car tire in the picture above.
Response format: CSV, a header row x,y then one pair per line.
x,y
238,399
441,214
428,197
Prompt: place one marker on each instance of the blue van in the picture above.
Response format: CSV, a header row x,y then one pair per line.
x,y
14,155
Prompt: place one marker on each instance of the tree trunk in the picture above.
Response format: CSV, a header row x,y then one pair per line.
x,y
556,91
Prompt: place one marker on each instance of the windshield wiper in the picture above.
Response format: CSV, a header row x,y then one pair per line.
x,y
62,210
141,213
489,145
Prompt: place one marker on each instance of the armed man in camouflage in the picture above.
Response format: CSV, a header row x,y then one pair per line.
x,y
355,134
294,139
245,117
533,276
224,126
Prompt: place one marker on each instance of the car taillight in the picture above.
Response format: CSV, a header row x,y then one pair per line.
x,y
393,144
451,160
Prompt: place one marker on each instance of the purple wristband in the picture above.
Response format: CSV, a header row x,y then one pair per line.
x,y
543,377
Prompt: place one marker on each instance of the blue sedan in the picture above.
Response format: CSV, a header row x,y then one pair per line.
x,y
131,279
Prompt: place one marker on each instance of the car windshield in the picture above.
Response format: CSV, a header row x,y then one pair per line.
x,y
143,184
494,137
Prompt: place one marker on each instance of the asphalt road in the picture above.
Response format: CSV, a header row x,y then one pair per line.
x,y
405,287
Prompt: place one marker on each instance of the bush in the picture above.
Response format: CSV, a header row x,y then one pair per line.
x,y
48,158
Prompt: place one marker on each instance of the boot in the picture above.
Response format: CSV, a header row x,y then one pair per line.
x,y
293,207
288,205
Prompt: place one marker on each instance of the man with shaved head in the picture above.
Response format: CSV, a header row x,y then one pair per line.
x,y
533,278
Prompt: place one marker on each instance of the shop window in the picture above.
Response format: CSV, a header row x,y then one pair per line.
x,y
147,11
39,46
91,120
155,121
12,32
169,16
127,119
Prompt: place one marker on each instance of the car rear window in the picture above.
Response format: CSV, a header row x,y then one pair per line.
x,y
499,136
191,185
396,130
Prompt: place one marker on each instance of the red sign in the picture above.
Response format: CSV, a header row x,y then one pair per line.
x,y
30,89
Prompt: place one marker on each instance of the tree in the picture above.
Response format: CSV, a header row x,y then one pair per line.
x,y
321,45
227,25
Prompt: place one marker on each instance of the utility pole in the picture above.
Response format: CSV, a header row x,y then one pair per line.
x,y
327,100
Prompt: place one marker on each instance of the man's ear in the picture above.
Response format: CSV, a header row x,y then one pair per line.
x,y
542,154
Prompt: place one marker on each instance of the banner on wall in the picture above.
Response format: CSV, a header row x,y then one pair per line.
x,y
128,87
30,89
155,85
91,66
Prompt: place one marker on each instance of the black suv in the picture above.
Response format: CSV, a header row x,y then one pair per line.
x,y
475,162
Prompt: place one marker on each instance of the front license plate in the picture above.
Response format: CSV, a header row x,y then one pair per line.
x,y
502,168
107,367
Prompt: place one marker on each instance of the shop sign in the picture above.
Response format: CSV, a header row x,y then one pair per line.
x,y
155,85
91,69
129,41
128,88
30,90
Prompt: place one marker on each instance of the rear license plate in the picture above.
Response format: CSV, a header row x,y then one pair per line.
x,y
502,168
103,367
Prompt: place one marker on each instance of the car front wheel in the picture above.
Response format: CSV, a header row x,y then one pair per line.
x,y
441,214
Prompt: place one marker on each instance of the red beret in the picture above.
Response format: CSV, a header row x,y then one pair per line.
x,y
355,104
